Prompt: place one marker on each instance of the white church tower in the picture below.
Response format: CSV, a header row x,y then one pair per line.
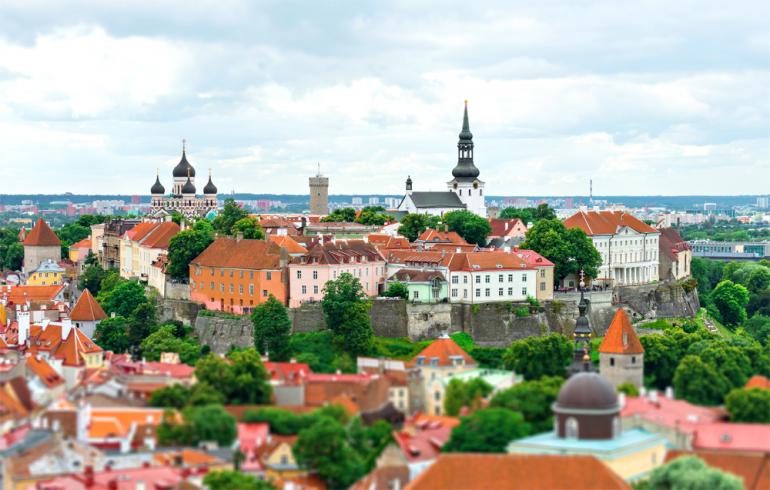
x,y
466,183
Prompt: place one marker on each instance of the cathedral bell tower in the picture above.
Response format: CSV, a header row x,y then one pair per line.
x,y
466,183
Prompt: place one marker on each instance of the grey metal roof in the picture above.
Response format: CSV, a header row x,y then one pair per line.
x,y
445,199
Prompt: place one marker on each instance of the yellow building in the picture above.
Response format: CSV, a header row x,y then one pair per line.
x,y
49,273
278,459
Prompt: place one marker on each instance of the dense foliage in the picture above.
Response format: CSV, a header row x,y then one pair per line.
x,y
529,215
271,329
340,215
751,405
472,227
489,430
412,225
241,378
535,357
569,249
468,394
691,472
397,290
185,246
230,214
248,228
346,311
199,424
235,480
11,250
533,399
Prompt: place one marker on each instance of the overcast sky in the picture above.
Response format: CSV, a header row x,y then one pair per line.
x,y
669,97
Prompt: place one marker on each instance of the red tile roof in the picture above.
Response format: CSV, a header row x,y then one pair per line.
x,y
438,236
341,252
485,261
84,243
287,242
386,242
20,294
87,309
726,436
532,258
753,469
291,373
502,227
240,254
153,235
517,471
671,413
621,337
423,436
758,381
444,350
606,222
42,236
44,371
671,242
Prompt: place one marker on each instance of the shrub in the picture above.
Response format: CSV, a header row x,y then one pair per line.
x,y
522,312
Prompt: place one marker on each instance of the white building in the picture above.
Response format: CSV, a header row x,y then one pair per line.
x,y
490,277
464,191
628,246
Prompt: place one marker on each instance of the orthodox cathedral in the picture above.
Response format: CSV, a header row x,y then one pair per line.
x,y
183,197
464,191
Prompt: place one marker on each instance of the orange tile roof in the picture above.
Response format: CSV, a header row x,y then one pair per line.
x,y
73,348
752,468
84,243
189,457
243,254
153,235
42,236
44,371
606,222
443,349
20,294
517,471
87,309
287,242
431,235
117,422
758,381
621,337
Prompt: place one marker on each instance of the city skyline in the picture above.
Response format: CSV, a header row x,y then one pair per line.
x,y
643,99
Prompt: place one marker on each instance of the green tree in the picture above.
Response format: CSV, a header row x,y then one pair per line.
x,y
461,394
231,213
185,246
342,215
124,299
110,281
759,279
242,381
529,215
397,290
628,389
175,396
14,257
324,447
112,334
569,249
347,314
731,300
210,423
412,225
234,480
533,399
373,216
661,358
472,227
535,357
369,441
758,326
750,405
69,234
142,322
699,383
163,340
690,472
271,329
91,279
487,431
249,227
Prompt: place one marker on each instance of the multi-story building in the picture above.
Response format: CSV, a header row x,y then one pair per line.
x,y
730,250
629,247
487,277
105,240
544,272
236,274
141,246
49,273
675,255
40,245
319,194
328,261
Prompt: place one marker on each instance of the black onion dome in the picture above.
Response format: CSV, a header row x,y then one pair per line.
x,y
587,391
157,187
465,168
183,168
188,187
210,187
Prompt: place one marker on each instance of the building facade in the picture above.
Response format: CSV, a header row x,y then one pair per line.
x,y
629,248
183,197
319,194
621,355
40,245
141,246
488,277
675,255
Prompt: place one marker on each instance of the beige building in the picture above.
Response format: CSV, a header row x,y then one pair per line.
x,y
40,245
319,194
141,246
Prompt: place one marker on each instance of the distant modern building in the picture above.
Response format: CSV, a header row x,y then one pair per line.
x,y
183,198
763,202
464,191
628,246
40,245
730,250
319,194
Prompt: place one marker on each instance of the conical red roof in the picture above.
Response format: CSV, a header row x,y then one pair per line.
x,y
42,236
87,309
621,337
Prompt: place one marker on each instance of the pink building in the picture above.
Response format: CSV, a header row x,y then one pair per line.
x,y
325,262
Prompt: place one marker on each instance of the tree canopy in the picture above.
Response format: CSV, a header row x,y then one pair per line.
x,y
533,399
347,314
412,225
225,220
341,215
461,394
271,329
249,228
569,249
324,447
242,381
472,227
692,472
730,300
235,480
397,290
187,245
487,431
529,215
535,357
750,405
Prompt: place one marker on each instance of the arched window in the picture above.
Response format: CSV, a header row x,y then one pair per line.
x,y
571,428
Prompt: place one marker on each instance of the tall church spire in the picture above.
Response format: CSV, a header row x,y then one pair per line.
x,y
465,170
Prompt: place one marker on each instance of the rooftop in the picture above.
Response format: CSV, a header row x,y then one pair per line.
x,y
606,222
42,236
618,447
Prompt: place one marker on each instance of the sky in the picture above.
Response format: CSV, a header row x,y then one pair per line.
x,y
643,97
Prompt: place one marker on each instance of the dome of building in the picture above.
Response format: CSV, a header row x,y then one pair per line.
x,y
157,187
210,187
465,169
188,187
586,391
183,168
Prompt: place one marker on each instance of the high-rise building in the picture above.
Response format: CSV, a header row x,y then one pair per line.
x,y
763,202
373,201
319,194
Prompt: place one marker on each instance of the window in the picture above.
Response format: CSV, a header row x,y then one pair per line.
x,y
240,289
454,293
264,293
241,274
315,289
284,460
268,275
231,288
465,279
251,289
415,294
315,274
633,359
542,272
304,289
510,277
612,361
510,291
542,286
524,292
486,292
487,279
232,273
454,279
500,278
299,274
478,279
251,275
571,428
221,287
523,278
437,395
465,293
212,285
478,292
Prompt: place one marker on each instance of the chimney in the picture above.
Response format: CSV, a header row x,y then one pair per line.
x,y
22,317
669,392
66,328
506,226
112,484
88,476
622,400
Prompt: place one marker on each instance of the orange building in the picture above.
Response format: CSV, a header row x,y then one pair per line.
x,y
235,275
